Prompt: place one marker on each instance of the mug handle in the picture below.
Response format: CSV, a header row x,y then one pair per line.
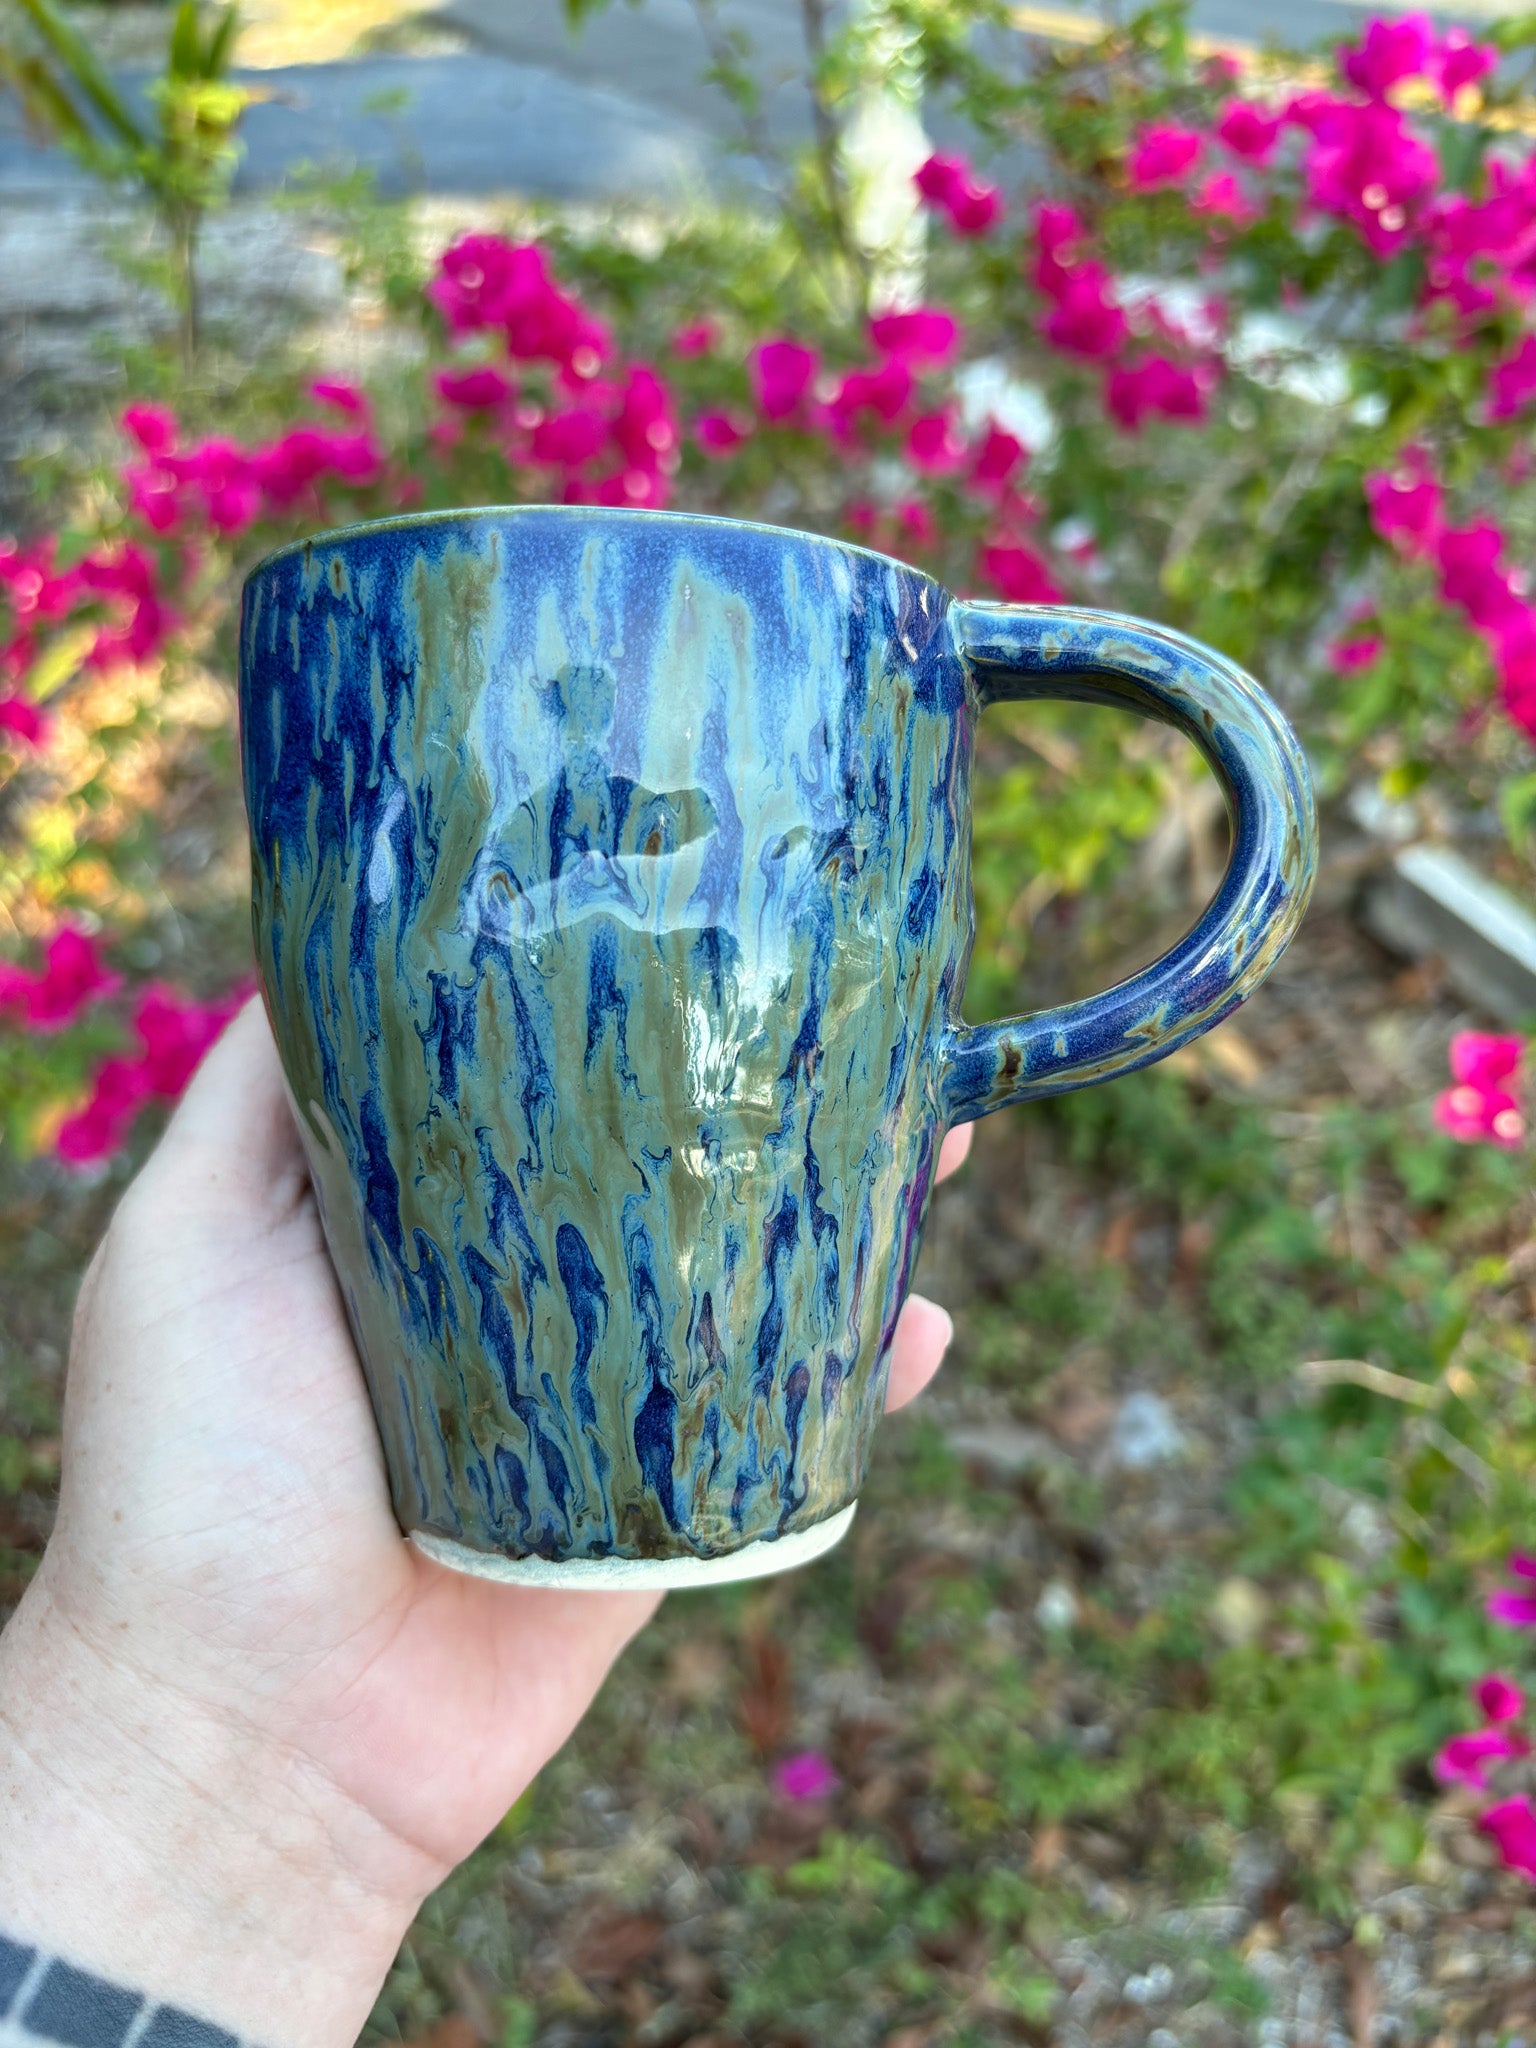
x,y
1026,651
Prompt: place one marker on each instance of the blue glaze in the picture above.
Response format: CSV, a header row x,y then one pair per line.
x,y
612,906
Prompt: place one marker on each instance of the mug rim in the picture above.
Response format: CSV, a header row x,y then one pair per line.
x,y
330,535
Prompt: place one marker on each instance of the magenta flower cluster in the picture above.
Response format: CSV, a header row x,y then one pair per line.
x,y
529,376
1407,507
1480,1107
1466,1760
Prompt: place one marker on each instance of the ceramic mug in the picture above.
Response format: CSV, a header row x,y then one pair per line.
x,y
612,908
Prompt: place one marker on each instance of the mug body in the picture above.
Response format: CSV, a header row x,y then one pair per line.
x,y
611,902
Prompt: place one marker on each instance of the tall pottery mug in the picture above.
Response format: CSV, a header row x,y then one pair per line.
x,y
612,908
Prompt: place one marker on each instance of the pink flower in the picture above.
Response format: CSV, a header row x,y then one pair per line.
x,y
477,389
1514,1610
569,438
1512,1824
781,373
23,720
882,393
1153,388
644,428
1480,250
806,1776
1478,1110
1407,505
153,427
155,495
101,1125
719,433
1475,1116
946,182
934,444
1058,231
1354,651
923,335
1472,579
143,619
1162,154
223,476
1367,167
175,1032
696,339
486,282
1249,131
1512,382
342,397
1464,1760
1481,1059
1389,52
995,458
71,977
1498,1698
1223,198
915,522
1085,321
1460,62
1017,573
1516,656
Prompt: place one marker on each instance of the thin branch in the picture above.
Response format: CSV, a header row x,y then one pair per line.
x,y
1357,1372
813,15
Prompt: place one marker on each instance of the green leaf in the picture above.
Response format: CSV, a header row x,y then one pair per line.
x,y
78,61
184,55
1514,32
221,44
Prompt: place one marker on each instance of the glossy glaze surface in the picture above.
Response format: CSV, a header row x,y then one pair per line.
x,y
612,906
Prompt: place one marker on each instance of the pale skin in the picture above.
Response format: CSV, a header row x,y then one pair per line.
x,y
245,1729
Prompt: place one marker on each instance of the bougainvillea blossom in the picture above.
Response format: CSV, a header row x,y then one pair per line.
x,y
1014,571
1512,382
1498,1698
1516,1609
1248,130
476,388
1407,505
1367,166
1465,1759
923,334
1512,1824
71,977
805,1777
1154,387
1162,154
23,720
782,373
949,187
1389,53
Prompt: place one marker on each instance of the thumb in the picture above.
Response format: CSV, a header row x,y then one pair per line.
x,y
232,1150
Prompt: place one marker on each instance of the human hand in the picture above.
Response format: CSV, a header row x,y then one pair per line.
x,y
232,1684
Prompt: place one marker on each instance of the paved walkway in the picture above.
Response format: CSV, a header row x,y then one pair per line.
x,y
623,110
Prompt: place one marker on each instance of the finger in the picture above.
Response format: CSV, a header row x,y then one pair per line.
x,y
232,1143
954,1151
922,1337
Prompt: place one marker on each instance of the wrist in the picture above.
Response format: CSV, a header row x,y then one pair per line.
x,y
183,1850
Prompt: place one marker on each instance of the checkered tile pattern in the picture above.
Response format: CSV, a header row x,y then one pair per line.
x,y
48,2003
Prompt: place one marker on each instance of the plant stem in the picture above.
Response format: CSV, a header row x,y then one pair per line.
x,y
184,235
813,15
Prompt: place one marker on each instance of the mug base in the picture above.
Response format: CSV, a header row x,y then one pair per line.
x,y
642,1574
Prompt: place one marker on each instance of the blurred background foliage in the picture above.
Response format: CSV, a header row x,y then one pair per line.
x,y
1129,1680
